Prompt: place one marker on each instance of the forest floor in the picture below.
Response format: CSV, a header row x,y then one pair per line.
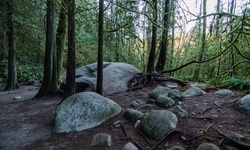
x,y
27,123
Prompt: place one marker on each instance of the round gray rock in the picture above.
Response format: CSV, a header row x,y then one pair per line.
x,y
132,114
102,140
175,94
176,148
207,146
157,123
164,101
243,104
179,111
224,93
129,146
193,91
83,111
160,90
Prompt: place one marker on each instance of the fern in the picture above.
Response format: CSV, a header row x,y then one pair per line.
x,y
238,83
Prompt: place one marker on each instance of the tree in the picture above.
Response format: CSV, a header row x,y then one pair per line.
x,y
49,84
232,60
70,78
2,38
203,42
151,58
61,38
164,43
100,50
12,74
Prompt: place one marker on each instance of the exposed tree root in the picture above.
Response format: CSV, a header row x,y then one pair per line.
x,y
139,80
170,133
233,141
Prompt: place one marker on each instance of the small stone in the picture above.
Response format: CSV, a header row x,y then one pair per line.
x,y
117,123
132,114
164,101
207,146
102,139
150,101
137,123
146,107
176,148
179,111
134,104
18,97
129,146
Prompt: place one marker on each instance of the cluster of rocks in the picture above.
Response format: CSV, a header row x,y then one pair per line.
x,y
86,110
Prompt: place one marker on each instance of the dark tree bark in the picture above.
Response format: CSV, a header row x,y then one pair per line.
x,y
164,44
151,58
70,79
61,39
100,50
12,74
49,86
2,36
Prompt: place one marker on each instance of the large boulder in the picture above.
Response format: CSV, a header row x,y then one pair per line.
x,y
83,111
115,77
243,104
157,123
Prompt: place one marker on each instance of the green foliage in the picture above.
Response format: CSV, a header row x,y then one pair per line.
x,y
217,81
30,74
3,80
238,83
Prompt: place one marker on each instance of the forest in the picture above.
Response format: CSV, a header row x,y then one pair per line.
x,y
40,40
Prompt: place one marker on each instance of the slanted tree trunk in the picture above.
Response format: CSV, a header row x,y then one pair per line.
x,y
151,58
49,86
70,79
12,74
61,39
100,50
164,44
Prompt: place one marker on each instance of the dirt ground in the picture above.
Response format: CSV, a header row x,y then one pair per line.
x,y
27,123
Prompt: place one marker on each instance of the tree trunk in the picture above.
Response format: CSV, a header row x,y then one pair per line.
x,y
203,42
47,87
173,36
61,38
231,39
217,34
100,50
151,58
217,20
70,79
12,74
162,57
3,65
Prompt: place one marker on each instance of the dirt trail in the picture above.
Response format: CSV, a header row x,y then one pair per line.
x,y
27,123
